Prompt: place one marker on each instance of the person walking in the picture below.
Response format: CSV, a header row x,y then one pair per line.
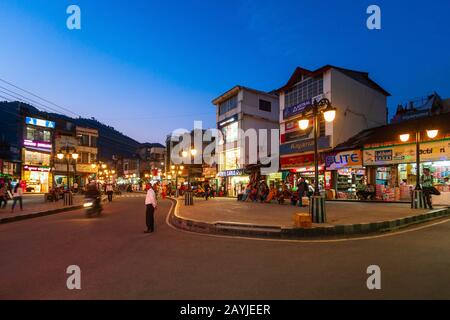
x,y
3,195
428,187
151,205
109,191
17,196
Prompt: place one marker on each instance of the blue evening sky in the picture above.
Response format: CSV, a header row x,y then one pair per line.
x,y
148,67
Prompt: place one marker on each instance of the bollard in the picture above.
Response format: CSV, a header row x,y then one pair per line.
x,y
317,209
188,198
68,199
417,199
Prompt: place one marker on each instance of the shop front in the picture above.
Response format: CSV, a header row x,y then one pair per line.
x,y
36,155
36,179
233,182
344,172
392,169
36,175
301,166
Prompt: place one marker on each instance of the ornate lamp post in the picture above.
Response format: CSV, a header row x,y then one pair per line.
x,y
176,171
185,154
68,153
417,197
317,206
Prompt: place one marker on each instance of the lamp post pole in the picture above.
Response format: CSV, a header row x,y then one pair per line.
x,y
317,203
417,195
316,148
68,172
418,187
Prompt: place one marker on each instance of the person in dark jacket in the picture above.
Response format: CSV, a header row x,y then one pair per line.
x,y
302,191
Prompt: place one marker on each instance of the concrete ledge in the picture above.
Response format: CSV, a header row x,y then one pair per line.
x,y
276,232
39,214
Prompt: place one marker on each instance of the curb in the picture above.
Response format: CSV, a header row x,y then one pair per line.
x,y
39,214
264,231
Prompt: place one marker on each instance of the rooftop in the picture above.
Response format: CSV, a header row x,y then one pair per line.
x,y
360,76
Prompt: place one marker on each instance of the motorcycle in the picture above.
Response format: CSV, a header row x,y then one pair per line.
x,y
92,206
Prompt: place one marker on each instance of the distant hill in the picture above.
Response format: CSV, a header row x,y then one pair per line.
x,y
111,142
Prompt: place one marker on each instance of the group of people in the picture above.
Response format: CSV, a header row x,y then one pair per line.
x,y
7,191
365,191
260,192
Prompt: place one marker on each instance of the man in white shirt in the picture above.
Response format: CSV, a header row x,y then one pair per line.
x,y
151,204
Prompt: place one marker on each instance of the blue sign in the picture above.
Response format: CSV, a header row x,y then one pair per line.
x,y
296,110
40,122
304,145
231,173
299,108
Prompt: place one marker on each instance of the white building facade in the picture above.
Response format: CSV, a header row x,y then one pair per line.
x,y
360,104
242,109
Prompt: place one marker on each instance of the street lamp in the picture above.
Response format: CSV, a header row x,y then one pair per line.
x,y
417,199
175,171
185,154
317,207
68,153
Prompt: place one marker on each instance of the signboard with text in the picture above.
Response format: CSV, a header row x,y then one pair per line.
x,y
343,159
299,108
429,151
304,145
297,161
40,122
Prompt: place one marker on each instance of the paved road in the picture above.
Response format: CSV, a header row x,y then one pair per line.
x,y
119,261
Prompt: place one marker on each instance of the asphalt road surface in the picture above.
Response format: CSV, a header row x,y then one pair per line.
x,y
119,261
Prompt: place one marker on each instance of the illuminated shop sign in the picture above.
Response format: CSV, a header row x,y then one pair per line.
x,y
336,160
227,121
37,144
306,169
35,168
429,151
231,173
40,122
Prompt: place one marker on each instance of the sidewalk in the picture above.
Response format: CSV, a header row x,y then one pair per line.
x,y
34,206
225,214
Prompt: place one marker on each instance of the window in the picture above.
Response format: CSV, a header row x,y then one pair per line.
x,y
30,133
36,134
84,140
84,157
93,158
230,132
303,91
94,141
265,105
228,105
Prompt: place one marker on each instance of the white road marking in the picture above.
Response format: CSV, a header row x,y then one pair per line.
x,y
390,234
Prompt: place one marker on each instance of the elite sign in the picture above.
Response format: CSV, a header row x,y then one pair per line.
x,y
344,159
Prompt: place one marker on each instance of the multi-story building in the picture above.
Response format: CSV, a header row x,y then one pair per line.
x,y
64,171
427,106
152,156
37,147
238,110
360,104
87,150
190,167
